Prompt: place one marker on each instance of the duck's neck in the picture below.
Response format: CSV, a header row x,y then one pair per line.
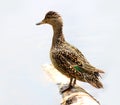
x,y
58,36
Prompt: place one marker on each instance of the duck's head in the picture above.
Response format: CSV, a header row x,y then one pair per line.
x,y
52,18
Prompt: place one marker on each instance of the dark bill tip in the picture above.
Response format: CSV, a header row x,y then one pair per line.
x,y
42,22
38,23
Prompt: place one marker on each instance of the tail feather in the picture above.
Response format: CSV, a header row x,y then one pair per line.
x,y
96,83
93,80
100,71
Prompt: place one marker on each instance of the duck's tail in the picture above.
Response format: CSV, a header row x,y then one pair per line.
x,y
93,80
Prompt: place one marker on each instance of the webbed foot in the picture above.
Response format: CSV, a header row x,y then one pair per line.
x,y
66,88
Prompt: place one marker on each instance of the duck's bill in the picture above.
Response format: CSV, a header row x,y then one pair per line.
x,y
42,22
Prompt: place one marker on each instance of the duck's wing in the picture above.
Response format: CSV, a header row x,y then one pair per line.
x,y
71,61
76,54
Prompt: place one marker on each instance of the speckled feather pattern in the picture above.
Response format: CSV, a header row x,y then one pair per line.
x,y
65,56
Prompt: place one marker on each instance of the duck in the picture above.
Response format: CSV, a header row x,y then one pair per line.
x,y
68,59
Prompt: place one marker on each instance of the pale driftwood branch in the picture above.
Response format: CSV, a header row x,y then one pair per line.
x,y
75,96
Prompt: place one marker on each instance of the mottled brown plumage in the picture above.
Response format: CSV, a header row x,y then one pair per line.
x,y
66,58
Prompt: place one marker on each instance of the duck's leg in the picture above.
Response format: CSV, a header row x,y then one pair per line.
x,y
74,82
69,86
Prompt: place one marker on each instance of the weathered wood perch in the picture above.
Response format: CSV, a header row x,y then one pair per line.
x,y
75,96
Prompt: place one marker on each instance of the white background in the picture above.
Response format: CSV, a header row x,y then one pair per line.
x,y
93,26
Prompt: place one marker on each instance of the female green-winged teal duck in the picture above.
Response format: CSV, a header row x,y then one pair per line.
x,y
68,59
